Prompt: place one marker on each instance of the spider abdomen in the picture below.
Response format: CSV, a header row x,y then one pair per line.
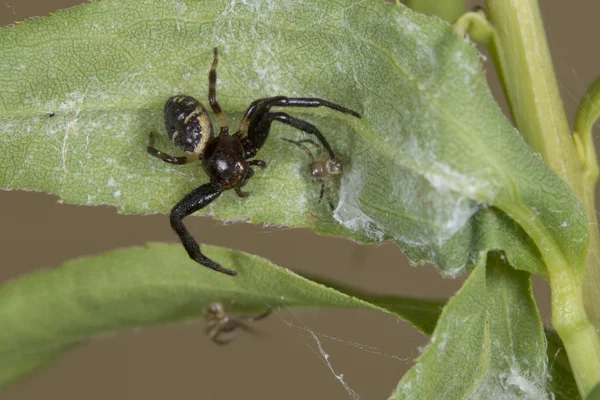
x,y
187,123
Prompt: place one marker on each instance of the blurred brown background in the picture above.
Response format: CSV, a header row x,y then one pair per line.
x,y
372,351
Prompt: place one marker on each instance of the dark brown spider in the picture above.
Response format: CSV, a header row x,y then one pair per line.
x,y
322,169
225,158
221,323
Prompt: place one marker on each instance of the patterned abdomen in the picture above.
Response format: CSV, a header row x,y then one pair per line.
x,y
187,123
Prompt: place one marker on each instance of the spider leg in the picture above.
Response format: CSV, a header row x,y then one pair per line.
x,y
253,142
245,121
322,191
325,189
212,95
317,145
258,163
254,136
263,105
309,102
242,321
223,329
249,175
301,146
218,340
258,317
192,202
241,193
167,157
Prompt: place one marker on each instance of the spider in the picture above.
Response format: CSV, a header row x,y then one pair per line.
x,y
220,322
321,170
225,158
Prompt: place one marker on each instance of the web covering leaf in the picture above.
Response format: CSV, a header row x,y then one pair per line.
x,y
80,92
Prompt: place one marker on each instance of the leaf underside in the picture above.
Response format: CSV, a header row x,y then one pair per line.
x,y
48,312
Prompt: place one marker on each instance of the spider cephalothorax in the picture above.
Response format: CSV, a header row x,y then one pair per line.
x,y
222,325
225,158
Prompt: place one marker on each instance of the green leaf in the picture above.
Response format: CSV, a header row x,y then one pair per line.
x,y
489,229
422,314
424,317
488,344
448,10
52,311
431,151
594,394
562,383
48,312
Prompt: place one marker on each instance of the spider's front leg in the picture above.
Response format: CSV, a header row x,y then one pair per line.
x,y
194,201
257,137
256,121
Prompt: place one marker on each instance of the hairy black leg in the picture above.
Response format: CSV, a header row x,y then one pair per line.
x,y
254,142
167,157
262,106
212,94
192,202
301,146
250,111
310,102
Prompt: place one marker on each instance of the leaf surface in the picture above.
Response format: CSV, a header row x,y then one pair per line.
x,y
81,90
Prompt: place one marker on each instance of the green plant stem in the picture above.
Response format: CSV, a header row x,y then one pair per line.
x,y
588,113
528,77
448,10
569,315
520,52
576,331
591,282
